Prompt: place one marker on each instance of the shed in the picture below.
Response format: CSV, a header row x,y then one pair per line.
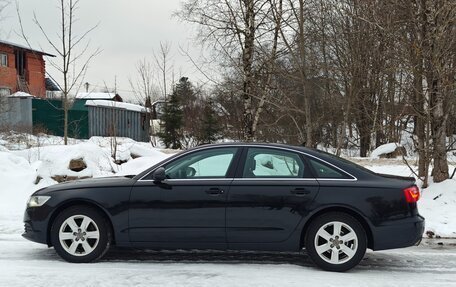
x,y
109,118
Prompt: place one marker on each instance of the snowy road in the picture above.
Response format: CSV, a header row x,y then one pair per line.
x,y
24,263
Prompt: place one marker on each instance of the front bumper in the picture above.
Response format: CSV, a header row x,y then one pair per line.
x,y
35,224
399,234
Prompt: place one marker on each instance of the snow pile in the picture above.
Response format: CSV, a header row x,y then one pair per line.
x,y
140,164
54,160
127,148
384,149
19,141
17,178
438,206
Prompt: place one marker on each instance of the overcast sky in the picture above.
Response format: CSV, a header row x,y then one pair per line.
x,y
129,30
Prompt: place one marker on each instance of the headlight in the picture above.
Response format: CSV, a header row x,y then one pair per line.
x,y
37,200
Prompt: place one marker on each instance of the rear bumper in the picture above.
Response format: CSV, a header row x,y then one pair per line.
x,y
399,234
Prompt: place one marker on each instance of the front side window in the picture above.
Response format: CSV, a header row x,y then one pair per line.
x,y
263,162
212,163
3,60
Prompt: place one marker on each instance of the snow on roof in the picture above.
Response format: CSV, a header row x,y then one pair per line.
x,y
21,95
24,48
95,96
118,105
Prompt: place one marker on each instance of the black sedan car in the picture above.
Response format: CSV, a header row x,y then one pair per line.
x,y
266,197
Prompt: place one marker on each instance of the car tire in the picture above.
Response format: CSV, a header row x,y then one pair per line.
x,y
81,234
336,241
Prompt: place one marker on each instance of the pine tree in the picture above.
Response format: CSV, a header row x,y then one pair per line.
x,y
172,121
210,128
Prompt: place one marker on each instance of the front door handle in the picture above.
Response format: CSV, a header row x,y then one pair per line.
x,y
214,191
300,191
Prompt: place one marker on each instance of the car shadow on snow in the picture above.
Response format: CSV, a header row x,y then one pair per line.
x,y
209,256
373,261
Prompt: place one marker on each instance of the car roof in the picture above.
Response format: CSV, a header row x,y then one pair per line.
x,y
259,144
311,151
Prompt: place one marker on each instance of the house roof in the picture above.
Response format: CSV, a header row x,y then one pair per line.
x,y
95,96
14,45
51,85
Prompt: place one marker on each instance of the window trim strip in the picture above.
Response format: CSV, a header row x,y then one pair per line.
x,y
354,178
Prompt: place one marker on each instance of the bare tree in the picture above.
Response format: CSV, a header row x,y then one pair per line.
x,y
162,61
145,90
239,33
72,48
143,85
429,35
338,73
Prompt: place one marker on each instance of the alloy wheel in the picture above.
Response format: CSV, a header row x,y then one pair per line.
x,y
79,235
336,242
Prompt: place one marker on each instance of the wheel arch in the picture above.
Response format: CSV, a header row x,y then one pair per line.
x,y
75,202
361,219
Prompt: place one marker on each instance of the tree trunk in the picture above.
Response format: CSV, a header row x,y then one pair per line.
x,y
269,68
247,59
364,134
440,170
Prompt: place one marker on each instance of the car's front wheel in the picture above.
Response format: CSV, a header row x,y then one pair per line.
x,y
336,241
80,234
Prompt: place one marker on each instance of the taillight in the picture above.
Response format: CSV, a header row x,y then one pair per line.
x,y
412,194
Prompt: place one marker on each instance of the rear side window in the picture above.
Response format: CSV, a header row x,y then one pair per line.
x,y
266,163
323,170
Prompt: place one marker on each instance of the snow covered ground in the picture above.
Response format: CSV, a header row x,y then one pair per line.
x,y
23,159
24,263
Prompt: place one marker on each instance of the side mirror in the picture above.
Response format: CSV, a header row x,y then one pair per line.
x,y
159,174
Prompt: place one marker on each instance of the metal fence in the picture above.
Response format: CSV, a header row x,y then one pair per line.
x,y
48,115
16,113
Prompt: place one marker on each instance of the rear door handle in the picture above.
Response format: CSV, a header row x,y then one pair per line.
x,y
214,191
300,191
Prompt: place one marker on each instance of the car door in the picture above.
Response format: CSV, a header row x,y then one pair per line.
x,y
269,196
188,208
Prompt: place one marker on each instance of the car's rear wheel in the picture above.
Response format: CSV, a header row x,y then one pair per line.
x,y
336,241
80,234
